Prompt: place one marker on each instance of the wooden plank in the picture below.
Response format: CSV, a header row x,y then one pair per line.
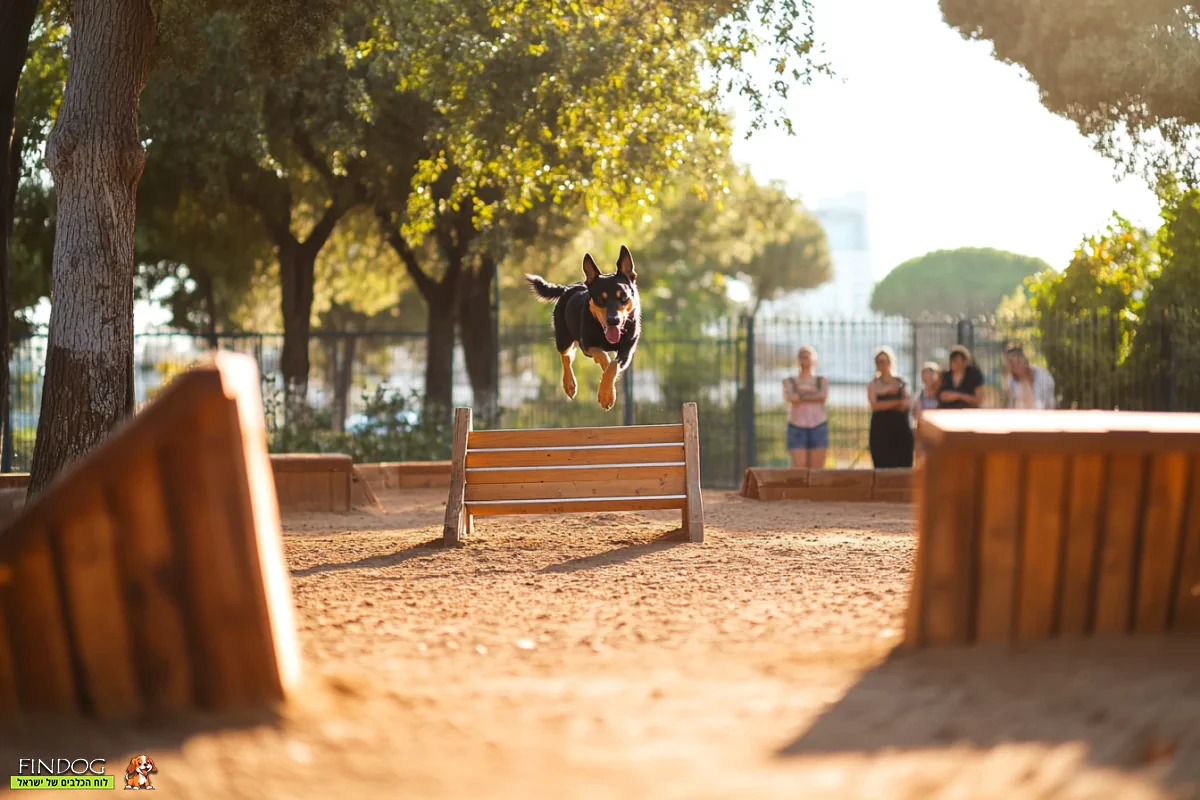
x,y
576,437
256,489
1166,499
772,476
1186,613
861,480
90,571
999,546
311,462
340,490
453,527
574,506
898,478
10,699
1084,519
574,490
950,524
693,510
577,456
43,661
1041,546
218,604
152,589
649,472
1114,586
1125,432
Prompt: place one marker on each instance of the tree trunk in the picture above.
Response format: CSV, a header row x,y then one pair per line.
x,y
16,22
477,322
342,361
210,311
297,268
439,353
96,158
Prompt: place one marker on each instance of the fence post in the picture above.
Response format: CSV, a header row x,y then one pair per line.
x,y
916,360
1166,371
495,410
748,397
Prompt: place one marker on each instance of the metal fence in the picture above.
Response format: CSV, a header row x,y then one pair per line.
x,y
720,365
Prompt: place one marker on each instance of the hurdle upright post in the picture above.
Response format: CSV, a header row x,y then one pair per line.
x,y
693,509
458,520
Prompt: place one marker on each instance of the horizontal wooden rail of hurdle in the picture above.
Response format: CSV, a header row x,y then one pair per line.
x,y
149,577
561,470
1044,524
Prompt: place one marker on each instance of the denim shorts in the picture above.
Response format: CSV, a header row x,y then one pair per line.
x,y
808,438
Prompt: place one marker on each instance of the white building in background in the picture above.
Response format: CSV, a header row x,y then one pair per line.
x,y
848,295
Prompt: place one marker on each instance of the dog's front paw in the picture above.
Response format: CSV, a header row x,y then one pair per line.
x,y
607,396
569,386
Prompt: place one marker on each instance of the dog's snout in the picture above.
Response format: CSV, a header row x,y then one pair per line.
x,y
613,319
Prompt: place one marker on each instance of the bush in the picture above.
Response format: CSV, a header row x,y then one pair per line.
x,y
390,428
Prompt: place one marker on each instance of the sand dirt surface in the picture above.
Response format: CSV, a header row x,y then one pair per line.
x,y
603,656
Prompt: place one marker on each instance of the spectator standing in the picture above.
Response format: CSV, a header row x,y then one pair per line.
x,y
931,381
891,436
808,428
1028,386
962,384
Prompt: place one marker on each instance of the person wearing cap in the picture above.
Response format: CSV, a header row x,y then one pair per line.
x,y
1027,386
962,384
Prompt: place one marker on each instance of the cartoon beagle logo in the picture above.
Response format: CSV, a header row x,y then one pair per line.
x,y
137,774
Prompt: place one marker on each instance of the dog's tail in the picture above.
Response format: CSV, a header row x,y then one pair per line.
x,y
545,290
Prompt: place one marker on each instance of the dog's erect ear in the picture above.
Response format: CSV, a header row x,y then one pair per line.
x,y
625,264
590,270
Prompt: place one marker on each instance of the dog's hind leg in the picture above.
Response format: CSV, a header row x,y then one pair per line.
x,y
569,385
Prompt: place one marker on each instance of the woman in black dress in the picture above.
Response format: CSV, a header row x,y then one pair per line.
x,y
891,435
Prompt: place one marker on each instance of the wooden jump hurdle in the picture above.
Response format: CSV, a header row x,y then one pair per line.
x,y
560,470
1043,524
149,577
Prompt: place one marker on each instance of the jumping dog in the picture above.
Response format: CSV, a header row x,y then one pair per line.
x,y
602,314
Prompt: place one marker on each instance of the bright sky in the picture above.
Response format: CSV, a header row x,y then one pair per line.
x,y
952,147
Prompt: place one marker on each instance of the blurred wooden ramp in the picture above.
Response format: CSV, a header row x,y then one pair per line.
x,y
149,577
1037,525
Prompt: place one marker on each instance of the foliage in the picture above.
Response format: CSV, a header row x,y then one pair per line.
x,y
1125,73
691,247
967,282
391,430
1087,315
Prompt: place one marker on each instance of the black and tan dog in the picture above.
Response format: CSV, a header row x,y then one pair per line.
x,y
601,315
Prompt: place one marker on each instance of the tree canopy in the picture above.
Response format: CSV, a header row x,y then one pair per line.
x,y
969,281
1125,73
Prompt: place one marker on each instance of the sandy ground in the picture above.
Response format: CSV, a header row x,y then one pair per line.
x,y
602,656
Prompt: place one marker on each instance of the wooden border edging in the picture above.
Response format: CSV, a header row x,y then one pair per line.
x,y
313,481
1036,525
828,485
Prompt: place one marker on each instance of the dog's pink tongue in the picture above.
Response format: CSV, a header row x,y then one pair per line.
x,y
612,333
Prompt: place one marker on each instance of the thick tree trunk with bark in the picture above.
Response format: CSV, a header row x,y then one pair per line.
x,y
96,158
439,353
16,22
476,320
